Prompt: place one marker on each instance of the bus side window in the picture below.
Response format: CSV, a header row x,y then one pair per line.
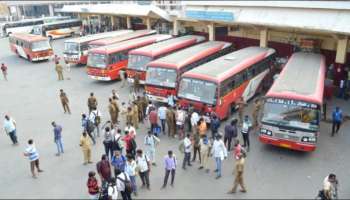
x,y
114,58
244,75
84,47
123,55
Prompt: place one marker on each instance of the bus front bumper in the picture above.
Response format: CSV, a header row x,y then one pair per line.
x,y
157,98
287,144
100,78
42,58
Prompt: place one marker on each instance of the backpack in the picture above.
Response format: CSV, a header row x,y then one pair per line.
x,y
116,145
133,144
127,183
90,127
97,118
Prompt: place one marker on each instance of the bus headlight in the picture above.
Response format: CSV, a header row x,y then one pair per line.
x,y
266,132
304,139
312,139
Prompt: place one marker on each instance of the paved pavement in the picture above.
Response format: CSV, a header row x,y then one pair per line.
x,y
31,97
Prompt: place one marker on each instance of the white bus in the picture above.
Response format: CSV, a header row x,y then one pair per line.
x,y
26,25
59,29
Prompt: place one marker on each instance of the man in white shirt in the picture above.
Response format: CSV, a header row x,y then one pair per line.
x,y
95,117
143,163
130,129
194,121
122,179
219,152
162,117
187,150
151,141
330,186
10,129
180,122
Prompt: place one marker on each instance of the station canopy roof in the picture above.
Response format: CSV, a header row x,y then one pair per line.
x,y
128,9
322,16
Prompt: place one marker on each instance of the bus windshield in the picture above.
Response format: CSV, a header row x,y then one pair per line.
x,y
198,90
290,113
97,60
161,77
71,47
41,45
138,62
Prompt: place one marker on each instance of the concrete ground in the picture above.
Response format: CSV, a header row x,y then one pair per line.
x,y
31,98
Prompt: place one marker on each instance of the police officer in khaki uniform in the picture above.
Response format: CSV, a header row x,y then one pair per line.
x,y
92,102
144,102
140,108
170,120
112,111
136,82
135,115
129,115
117,110
241,103
59,70
239,175
256,109
64,101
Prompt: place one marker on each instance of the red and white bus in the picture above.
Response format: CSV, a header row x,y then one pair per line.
x,y
104,63
139,58
120,38
31,47
163,74
292,110
76,49
218,85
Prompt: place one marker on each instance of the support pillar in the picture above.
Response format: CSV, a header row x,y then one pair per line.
x,y
112,22
342,45
18,12
264,37
176,27
51,10
128,22
211,31
148,23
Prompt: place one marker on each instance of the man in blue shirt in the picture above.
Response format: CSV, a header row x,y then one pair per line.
x,y
337,118
118,161
57,130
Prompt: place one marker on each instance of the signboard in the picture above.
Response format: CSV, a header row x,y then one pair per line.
x,y
210,15
292,103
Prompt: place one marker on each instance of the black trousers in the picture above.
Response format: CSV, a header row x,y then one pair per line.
x,y
167,172
162,121
187,159
335,127
228,140
195,150
125,195
108,149
246,142
145,178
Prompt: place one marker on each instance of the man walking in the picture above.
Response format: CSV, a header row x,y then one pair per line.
x,y
10,129
151,141
57,130
257,105
204,147
104,169
246,127
33,157
88,127
170,167
220,153
143,163
162,116
170,120
85,145
123,184
95,118
118,161
112,112
241,104
239,175
180,122
214,125
4,71
59,70
194,121
230,132
187,144
92,102
64,101
337,118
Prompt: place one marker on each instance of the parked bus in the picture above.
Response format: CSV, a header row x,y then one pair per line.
x,y
292,110
76,49
26,25
139,58
31,47
116,39
163,74
104,63
217,85
59,29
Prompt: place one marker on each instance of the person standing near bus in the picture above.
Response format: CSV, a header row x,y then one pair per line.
x,y
59,70
256,109
112,112
337,118
136,82
4,71
241,104
246,127
64,101
92,102
170,120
